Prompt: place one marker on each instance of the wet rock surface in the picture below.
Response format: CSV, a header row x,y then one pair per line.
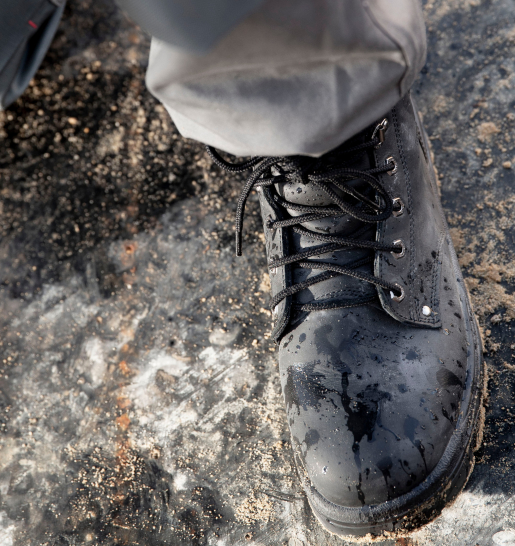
x,y
139,395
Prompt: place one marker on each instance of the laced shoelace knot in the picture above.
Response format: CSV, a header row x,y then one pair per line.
x,y
270,171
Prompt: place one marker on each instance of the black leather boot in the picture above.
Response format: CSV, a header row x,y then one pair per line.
x,y
380,355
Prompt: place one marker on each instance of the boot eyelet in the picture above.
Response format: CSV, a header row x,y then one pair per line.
x,y
379,131
402,253
402,293
391,161
275,312
273,271
399,211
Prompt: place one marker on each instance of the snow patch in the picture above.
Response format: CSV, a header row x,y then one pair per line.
x,y
7,529
98,366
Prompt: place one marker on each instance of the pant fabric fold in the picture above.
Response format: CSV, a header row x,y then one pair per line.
x,y
294,76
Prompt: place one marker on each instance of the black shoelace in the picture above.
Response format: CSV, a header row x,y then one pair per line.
x,y
269,171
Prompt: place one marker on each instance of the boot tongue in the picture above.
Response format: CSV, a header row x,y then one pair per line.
x,y
298,191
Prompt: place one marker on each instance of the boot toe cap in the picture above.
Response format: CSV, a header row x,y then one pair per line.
x,y
367,428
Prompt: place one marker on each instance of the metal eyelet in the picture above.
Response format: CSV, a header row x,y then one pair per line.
x,y
380,131
402,253
400,210
273,272
275,312
402,293
391,160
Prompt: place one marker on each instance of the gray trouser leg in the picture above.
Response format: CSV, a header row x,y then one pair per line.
x,y
26,31
294,76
